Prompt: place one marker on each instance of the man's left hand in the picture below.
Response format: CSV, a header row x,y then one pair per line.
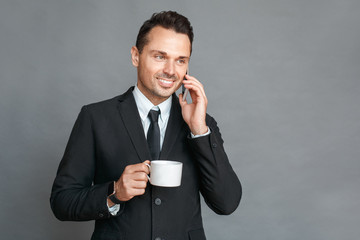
x,y
194,113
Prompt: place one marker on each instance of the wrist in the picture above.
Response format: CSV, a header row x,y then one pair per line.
x,y
199,130
112,199
201,135
110,203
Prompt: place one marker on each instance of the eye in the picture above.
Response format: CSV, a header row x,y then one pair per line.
x,y
181,61
159,57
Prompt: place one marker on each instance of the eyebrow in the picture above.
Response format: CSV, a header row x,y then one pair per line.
x,y
164,53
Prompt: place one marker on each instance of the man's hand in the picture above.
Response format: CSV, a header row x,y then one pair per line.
x,y
194,113
132,182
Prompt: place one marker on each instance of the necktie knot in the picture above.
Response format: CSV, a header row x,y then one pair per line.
x,y
154,116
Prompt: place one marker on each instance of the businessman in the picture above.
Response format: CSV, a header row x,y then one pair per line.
x,y
103,176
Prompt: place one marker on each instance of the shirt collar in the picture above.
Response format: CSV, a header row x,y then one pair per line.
x,y
144,105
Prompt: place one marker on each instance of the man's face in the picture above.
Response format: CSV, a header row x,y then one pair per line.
x,y
162,64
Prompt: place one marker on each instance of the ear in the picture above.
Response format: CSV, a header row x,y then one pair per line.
x,y
135,56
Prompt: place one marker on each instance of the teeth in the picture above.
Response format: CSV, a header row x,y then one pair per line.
x,y
164,81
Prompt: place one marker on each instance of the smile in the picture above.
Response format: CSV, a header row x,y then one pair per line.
x,y
166,81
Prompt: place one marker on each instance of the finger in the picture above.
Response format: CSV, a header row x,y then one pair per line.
x,y
181,101
196,90
139,176
147,169
193,79
140,167
132,192
138,191
196,83
140,184
128,187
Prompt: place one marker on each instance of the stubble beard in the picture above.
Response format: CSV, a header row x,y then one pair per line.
x,y
155,93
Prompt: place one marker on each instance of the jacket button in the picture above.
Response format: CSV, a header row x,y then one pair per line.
x,y
158,201
214,145
101,215
157,238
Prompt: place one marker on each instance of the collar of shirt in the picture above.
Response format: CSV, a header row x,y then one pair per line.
x,y
144,106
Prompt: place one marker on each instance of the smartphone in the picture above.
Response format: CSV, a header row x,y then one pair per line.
x,y
184,90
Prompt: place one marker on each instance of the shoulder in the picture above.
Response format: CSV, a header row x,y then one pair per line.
x,y
108,104
96,106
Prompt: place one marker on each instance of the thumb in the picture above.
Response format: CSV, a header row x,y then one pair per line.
x,y
182,103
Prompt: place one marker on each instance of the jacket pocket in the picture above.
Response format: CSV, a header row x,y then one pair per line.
x,y
197,234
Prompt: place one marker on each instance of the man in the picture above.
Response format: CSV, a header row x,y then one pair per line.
x,y
103,175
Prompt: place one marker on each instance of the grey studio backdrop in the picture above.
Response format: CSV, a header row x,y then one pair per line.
x,y
282,78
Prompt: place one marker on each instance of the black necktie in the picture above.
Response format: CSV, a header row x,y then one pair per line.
x,y
153,134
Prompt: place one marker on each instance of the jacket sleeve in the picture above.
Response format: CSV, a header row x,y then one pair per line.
x,y
219,184
74,196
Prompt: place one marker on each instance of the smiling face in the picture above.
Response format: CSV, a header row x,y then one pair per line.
x,y
162,64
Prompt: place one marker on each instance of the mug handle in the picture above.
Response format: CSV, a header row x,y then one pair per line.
x,y
148,165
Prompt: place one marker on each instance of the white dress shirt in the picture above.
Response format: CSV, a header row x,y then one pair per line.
x,y
144,106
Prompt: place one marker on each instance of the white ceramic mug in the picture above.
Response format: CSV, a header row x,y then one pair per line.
x,y
164,173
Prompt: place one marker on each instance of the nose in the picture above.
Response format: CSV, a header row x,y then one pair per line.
x,y
169,68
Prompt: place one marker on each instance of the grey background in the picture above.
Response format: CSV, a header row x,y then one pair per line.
x,y
282,78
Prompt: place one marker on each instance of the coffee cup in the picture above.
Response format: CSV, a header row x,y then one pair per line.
x,y
165,173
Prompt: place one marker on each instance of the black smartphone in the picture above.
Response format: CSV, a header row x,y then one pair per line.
x,y
184,90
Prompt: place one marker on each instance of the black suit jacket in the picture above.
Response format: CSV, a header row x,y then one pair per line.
x,y
108,136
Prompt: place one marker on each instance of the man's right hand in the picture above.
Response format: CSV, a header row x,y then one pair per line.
x,y
132,182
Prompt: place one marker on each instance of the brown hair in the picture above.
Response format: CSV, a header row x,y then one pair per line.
x,y
166,19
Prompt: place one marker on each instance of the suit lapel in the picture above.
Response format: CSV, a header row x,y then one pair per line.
x,y
132,122
175,125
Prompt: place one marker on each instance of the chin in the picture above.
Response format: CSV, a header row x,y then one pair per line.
x,y
166,94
